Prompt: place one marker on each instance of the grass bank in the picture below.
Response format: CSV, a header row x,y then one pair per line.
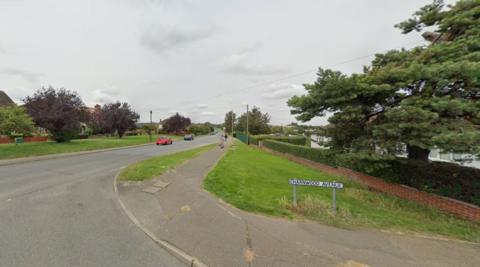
x,y
256,181
10,151
156,166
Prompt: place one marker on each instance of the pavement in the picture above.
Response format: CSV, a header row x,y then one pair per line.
x,y
189,218
64,212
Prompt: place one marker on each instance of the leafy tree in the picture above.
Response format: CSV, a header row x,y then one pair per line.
x,y
60,111
409,100
176,124
201,129
96,121
229,119
257,122
118,118
150,128
14,119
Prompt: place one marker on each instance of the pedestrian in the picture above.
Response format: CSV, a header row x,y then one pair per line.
x,y
222,141
226,137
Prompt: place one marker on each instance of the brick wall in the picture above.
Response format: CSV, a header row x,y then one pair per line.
x,y
452,206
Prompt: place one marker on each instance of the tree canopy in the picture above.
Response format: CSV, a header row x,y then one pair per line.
x,y
15,120
201,128
410,100
229,119
176,124
60,111
118,118
257,122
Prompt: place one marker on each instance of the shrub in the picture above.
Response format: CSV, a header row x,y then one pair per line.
x,y
446,179
295,140
324,156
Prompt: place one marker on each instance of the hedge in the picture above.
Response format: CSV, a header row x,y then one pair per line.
x,y
295,140
446,179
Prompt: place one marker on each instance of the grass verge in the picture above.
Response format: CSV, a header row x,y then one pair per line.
x,y
152,167
257,181
11,151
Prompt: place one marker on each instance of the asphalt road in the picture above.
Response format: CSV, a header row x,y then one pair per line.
x,y
63,212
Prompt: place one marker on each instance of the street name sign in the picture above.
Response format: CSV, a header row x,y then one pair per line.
x,y
334,185
315,183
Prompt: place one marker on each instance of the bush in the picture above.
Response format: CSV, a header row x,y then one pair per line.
x,y
324,156
295,140
441,178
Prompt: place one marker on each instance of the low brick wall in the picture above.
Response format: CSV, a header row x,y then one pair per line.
x,y
8,140
452,206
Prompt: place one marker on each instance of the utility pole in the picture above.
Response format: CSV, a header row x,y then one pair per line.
x,y
247,127
233,118
151,126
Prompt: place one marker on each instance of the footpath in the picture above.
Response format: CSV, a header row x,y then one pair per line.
x,y
185,216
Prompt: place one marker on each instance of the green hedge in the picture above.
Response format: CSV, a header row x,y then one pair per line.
x,y
295,140
324,156
446,179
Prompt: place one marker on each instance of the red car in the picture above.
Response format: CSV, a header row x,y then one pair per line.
x,y
164,141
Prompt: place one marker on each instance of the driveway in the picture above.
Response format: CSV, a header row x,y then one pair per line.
x,y
63,212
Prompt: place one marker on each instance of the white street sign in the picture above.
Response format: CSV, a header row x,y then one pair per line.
x,y
315,183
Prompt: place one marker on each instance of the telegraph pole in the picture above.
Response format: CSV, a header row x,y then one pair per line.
x,y
150,130
233,118
247,127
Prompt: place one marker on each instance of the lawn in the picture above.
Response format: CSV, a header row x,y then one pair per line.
x,y
257,181
152,167
10,151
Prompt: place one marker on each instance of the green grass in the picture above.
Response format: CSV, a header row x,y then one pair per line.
x,y
10,151
156,166
257,181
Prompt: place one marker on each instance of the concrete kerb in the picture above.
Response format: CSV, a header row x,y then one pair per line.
x,y
63,155
173,250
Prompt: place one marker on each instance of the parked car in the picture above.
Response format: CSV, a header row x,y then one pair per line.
x,y
188,137
163,140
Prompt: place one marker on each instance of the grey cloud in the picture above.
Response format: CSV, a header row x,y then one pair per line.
x,y
103,96
166,38
201,106
27,75
283,91
238,64
208,113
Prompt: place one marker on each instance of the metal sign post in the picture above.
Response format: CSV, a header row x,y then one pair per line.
x,y
334,185
294,195
334,201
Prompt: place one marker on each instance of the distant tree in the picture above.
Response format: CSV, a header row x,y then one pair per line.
x,y
176,124
229,118
118,118
150,128
408,100
96,121
15,120
201,129
60,111
257,122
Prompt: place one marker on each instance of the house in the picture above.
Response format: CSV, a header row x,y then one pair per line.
x,y
5,100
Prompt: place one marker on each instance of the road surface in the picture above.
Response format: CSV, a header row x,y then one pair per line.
x,y
63,212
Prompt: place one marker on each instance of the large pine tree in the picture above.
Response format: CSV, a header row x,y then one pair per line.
x,y
413,99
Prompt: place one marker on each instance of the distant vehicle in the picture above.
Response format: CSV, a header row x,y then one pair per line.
x,y
188,137
163,140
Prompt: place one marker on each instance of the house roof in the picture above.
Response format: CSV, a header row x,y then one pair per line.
x,y
5,100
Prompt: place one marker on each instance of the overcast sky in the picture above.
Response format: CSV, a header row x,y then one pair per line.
x,y
200,58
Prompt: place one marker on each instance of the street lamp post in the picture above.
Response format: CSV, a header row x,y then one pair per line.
x,y
150,128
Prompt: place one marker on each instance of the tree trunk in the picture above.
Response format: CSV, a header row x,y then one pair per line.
x,y
418,153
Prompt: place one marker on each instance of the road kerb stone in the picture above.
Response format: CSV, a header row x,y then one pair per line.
x,y
176,252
